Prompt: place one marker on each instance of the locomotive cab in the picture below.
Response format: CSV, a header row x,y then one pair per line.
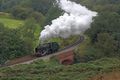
x,y
47,48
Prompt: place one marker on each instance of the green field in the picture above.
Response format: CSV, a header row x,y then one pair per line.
x,y
11,23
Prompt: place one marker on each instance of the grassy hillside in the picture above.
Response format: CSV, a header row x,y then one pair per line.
x,y
51,70
10,22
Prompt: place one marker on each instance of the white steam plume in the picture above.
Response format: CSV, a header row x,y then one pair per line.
x,y
75,21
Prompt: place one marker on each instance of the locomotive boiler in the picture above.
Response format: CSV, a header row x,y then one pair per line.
x,y
46,49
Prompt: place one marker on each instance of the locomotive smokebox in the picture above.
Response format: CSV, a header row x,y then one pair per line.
x,y
46,49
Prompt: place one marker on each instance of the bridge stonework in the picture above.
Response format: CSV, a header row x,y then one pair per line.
x,y
66,58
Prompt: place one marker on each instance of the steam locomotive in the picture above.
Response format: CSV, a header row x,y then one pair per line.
x,y
46,49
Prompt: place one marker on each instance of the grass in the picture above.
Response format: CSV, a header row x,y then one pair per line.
x,y
5,15
51,70
11,23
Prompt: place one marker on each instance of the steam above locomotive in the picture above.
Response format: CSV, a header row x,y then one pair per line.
x,y
75,20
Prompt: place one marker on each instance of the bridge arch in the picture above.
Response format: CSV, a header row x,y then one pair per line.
x,y
66,58
67,62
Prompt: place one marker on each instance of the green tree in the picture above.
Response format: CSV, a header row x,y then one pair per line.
x,y
53,13
28,33
105,22
20,12
117,38
41,5
11,46
39,17
106,44
7,5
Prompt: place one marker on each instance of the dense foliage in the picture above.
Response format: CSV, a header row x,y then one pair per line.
x,y
51,70
19,41
11,46
104,35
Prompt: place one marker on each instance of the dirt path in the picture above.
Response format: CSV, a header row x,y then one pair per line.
x,y
108,76
20,60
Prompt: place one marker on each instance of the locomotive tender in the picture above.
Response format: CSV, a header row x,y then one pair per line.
x,y
46,49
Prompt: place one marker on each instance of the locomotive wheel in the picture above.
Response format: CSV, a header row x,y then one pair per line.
x,y
38,55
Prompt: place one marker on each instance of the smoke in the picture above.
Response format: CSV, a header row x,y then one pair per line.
x,y
75,21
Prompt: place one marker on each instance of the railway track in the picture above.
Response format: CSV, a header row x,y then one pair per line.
x,y
30,58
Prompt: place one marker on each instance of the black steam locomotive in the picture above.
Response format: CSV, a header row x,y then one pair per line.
x,y
46,49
